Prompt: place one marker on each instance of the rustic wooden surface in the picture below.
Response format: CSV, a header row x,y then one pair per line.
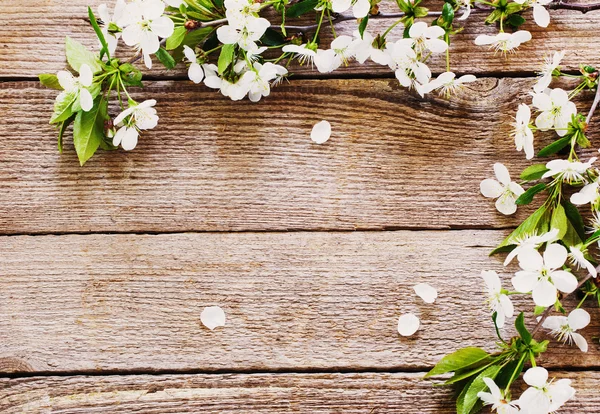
x,y
93,321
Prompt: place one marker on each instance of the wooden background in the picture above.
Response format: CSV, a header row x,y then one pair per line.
x,y
312,251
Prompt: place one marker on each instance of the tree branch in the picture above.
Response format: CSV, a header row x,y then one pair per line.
x,y
594,104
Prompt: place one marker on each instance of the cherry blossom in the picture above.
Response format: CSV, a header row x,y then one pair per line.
x,y
543,276
565,327
360,8
522,132
132,120
568,171
555,109
550,65
504,190
423,38
577,258
504,42
77,87
498,301
543,397
448,84
497,399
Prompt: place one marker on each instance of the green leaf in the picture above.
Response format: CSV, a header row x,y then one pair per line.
x,y
272,38
63,107
363,25
522,330
99,34
469,372
63,127
88,130
538,310
536,223
226,57
77,55
555,146
534,172
468,398
448,14
513,367
301,8
165,58
575,218
50,80
460,359
176,38
515,20
559,221
527,196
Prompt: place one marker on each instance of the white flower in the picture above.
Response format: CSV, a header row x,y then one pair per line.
x,y
448,84
239,12
540,14
504,42
505,190
408,324
303,53
212,317
245,36
550,65
498,301
426,292
569,171
541,275
111,38
132,120
409,71
522,132
423,38
556,110
341,51
146,25
360,8
564,327
77,86
364,49
577,258
195,71
544,397
588,194
530,242
239,89
321,132
263,74
497,399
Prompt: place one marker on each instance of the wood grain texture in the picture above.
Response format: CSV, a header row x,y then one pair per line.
x,y
258,393
393,161
32,41
294,301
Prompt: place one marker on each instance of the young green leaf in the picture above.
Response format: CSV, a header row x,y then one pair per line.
x,y
522,330
226,58
50,80
77,55
61,132
88,130
555,146
559,221
63,107
527,196
99,34
176,38
165,58
538,310
272,38
301,8
575,218
363,25
460,359
534,172
468,399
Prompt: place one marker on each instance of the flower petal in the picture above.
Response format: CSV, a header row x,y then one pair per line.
x,y
408,324
544,293
536,377
580,341
321,132
564,281
212,317
491,188
86,100
426,292
579,319
555,255
541,15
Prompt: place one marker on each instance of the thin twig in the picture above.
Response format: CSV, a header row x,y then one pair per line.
x,y
583,8
547,311
594,104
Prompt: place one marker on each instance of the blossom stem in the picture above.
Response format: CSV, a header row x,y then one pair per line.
x,y
514,374
319,25
594,104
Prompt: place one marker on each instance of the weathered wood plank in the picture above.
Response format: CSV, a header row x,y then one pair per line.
x,y
32,40
256,393
394,161
316,300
